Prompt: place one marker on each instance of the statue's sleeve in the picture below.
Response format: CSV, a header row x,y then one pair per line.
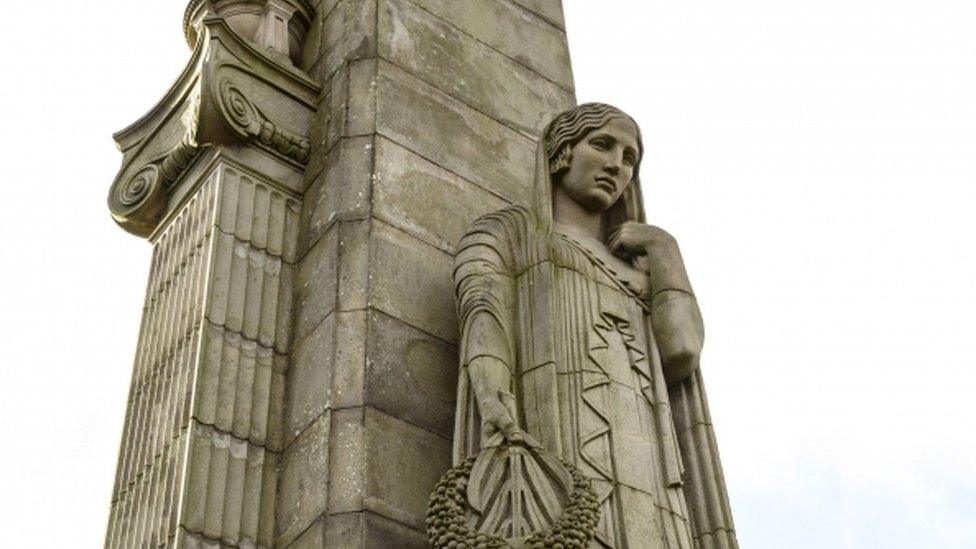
x,y
485,265
704,482
678,330
484,269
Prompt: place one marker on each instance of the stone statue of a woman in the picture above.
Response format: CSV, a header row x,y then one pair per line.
x,y
581,333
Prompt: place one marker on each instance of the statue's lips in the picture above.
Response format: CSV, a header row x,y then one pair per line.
x,y
606,184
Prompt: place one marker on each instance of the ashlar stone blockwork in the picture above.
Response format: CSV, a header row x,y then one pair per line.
x,y
304,184
428,119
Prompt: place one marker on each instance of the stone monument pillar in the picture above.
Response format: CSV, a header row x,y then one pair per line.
x,y
303,185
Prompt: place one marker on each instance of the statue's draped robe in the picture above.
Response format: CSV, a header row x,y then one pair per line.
x,y
589,385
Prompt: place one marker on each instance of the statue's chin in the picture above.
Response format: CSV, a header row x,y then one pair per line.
x,y
595,204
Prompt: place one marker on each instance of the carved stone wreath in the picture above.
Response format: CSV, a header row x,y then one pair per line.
x,y
449,515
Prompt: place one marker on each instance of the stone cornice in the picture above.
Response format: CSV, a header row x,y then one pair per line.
x,y
230,92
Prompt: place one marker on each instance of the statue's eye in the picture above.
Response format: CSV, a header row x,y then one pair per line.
x,y
630,159
599,143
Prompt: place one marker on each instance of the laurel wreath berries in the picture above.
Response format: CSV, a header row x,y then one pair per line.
x,y
448,529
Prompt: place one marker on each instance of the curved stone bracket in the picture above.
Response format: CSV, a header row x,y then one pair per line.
x,y
139,202
241,114
230,93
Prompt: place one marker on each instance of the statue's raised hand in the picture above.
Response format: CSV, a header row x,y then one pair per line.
x,y
653,250
632,239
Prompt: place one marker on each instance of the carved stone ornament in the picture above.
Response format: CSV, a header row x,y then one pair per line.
x,y
279,25
232,91
249,122
582,419
513,495
140,201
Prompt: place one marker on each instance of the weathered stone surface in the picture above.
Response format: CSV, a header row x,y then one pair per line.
x,y
324,7
354,260
340,191
366,530
425,120
330,122
382,533
348,466
348,32
411,375
550,10
361,116
236,387
309,378
423,199
347,109
313,44
315,292
403,462
382,464
345,530
314,41
312,538
304,486
348,381
230,489
512,31
411,281
467,69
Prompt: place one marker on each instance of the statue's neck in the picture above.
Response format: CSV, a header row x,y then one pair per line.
x,y
567,211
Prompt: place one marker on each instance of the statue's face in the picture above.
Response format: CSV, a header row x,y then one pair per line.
x,y
602,165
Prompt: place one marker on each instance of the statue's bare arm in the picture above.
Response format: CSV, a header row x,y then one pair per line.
x,y
675,316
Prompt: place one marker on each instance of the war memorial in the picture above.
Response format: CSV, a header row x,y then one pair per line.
x,y
403,294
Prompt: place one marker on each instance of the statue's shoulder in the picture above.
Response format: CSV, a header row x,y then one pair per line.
x,y
509,236
512,222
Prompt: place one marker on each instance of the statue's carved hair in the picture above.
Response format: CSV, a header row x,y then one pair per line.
x,y
569,127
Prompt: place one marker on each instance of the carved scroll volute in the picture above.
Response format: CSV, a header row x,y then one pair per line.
x,y
240,118
232,93
237,110
138,202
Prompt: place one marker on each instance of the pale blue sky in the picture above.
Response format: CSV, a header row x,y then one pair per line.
x,y
816,160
